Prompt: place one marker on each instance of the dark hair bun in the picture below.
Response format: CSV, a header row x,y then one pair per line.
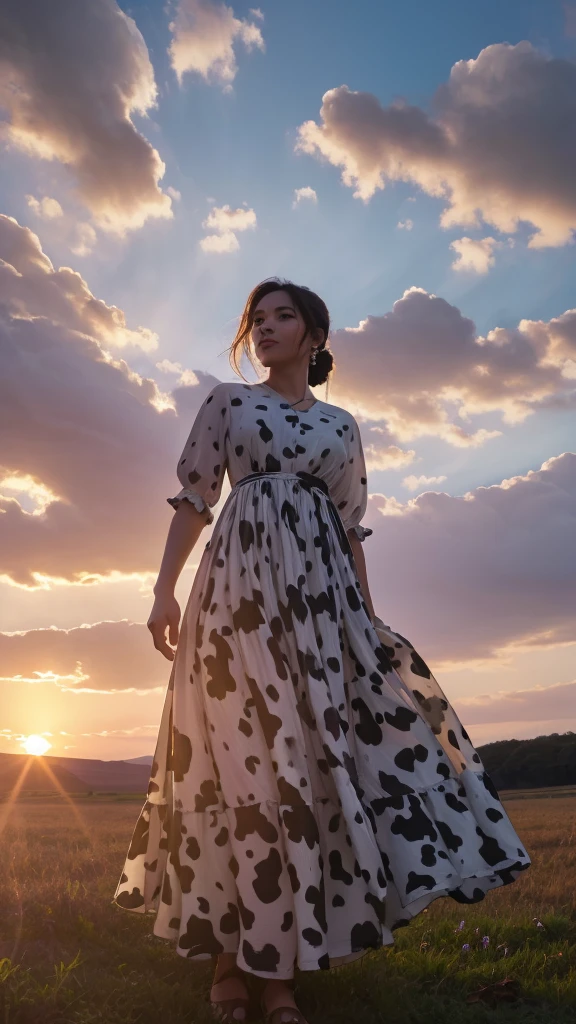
x,y
318,371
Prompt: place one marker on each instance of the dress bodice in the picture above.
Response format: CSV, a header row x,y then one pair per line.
x,y
248,428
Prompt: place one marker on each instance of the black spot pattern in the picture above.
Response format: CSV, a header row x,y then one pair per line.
x,y
308,765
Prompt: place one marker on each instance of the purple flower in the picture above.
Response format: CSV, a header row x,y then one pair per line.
x,y
485,941
466,947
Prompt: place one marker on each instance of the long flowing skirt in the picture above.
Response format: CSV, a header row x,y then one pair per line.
x,y
312,788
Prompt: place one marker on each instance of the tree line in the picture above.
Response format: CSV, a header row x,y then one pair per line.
x,y
527,764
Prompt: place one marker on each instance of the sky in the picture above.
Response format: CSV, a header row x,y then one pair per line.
x,y
412,163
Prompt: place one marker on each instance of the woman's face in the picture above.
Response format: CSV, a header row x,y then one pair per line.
x,y
277,329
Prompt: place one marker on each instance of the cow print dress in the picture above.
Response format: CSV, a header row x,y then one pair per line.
x,y
312,788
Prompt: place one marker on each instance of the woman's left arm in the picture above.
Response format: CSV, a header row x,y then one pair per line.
x,y
357,551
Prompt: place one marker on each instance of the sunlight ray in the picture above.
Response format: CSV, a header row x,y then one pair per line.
x,y
13,796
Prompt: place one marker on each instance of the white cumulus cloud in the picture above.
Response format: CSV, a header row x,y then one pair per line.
x,y
204,38
305,194
475,254
498,148
224,223
46,208
420,483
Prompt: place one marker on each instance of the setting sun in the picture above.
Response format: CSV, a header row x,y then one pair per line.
x,y
36,745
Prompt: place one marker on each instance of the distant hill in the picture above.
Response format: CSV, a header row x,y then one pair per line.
x,y
529,764
512,764
36,778
75,775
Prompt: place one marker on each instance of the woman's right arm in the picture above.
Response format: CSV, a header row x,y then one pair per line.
x,y
185,529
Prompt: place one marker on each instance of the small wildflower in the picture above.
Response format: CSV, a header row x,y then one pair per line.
x,y
460,926
476,931
466,947
485,941
537,922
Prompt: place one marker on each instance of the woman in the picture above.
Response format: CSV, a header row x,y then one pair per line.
x,y
312,788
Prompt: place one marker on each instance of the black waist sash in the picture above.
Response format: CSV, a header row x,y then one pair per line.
x,y
312,484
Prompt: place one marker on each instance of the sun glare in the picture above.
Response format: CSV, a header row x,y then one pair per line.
x,y
36,745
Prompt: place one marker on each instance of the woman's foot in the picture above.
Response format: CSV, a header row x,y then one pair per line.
x,y
229,994
278,995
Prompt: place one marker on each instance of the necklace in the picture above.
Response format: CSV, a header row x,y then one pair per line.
x,y
290,404
298,402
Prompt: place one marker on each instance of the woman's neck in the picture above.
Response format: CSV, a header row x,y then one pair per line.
x,y
293,387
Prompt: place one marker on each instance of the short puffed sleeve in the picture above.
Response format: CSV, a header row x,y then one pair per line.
x,y
203,460
354,484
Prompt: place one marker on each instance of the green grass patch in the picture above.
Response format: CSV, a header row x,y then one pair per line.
x,y
69,956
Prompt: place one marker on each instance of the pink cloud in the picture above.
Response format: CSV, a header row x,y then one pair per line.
x,y
463,576
470,578
408,367
538,704
30,286
83,426
104,656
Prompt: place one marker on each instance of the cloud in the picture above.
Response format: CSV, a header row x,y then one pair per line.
x,y
79,235
83,239
204,39
496,149
222,218
226,242
93,436
422,370
226,222
304,194
30,286
406,225
94,449
45,208
539,704
106,657
475,577
475,254
469,579
71,76
184,376
417,483
385,456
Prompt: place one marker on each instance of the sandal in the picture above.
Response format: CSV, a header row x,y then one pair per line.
x,y
282,1014
229,1011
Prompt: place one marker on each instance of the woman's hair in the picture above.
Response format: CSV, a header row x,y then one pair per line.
x,y
313,312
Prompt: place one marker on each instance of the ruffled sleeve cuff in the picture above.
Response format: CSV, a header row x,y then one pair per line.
x,y
362,532
196,499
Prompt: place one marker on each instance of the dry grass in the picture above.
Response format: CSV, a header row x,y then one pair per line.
x,y
68,956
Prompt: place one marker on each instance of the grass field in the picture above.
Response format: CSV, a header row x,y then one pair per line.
x,y
68,956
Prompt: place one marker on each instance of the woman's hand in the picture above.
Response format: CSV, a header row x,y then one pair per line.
x,y
165,614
